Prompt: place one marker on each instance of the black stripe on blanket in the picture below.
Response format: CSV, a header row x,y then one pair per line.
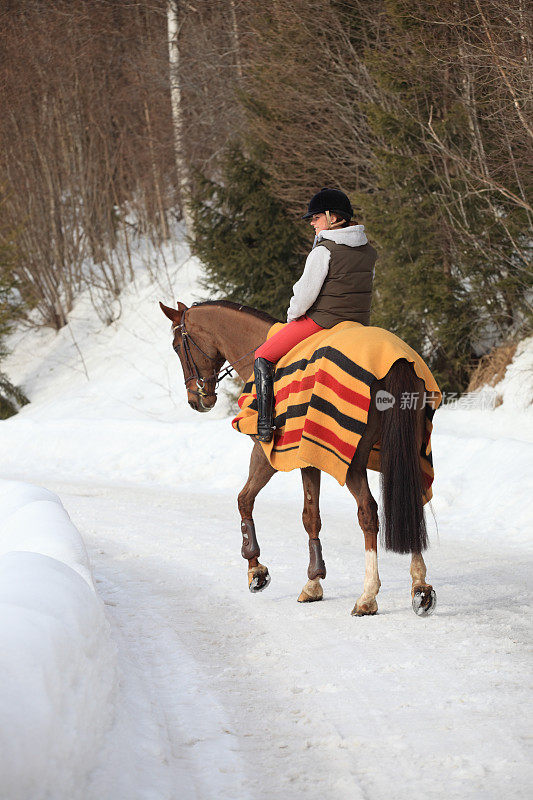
x,y
290,413
285,449
323,446
319,404
349,423
338,358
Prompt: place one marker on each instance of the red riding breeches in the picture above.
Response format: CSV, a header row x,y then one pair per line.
x,y
288,337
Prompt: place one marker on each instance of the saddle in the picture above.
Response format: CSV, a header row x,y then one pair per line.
x,y
322,397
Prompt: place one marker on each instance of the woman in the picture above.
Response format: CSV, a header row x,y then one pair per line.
x,y
335,286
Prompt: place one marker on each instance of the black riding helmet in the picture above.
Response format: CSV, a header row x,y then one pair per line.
x,y
330,200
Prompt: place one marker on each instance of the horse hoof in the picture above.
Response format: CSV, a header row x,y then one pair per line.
x,y
259,582
365,609
312,592
306,598
424,601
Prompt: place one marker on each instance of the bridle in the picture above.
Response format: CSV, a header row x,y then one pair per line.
x,y
192,367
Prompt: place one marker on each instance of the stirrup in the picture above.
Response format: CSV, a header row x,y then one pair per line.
x,y
264,384
264,433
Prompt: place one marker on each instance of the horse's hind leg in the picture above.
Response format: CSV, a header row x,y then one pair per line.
x,y
424,596
367,514
259,475
368,520
312,590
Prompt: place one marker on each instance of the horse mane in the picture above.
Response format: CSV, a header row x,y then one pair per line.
x,y
254,312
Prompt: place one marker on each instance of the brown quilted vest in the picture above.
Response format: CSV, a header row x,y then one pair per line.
x,y
346,293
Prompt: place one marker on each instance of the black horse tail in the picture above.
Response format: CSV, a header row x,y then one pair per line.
x,y
403,523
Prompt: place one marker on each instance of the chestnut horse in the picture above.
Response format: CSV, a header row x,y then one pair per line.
x,y
209,334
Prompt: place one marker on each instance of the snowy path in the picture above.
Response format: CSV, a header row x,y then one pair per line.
x,y
228,695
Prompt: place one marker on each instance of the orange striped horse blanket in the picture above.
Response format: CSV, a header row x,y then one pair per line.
x,y
322,390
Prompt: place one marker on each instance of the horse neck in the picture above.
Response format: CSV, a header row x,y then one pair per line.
x,y
234,333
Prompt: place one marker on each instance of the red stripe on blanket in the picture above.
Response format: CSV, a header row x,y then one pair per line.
x,y
325,435
296,386
319,432
288,438
321,376
244,398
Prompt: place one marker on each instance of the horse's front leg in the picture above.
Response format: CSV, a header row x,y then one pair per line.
x,y
312,590
259,475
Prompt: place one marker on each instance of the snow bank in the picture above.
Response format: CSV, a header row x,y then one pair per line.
x,y
126,370
108,401
515,390
56,659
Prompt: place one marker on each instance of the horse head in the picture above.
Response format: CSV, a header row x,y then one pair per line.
x,y
200,359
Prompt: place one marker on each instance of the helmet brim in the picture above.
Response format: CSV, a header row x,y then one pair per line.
x,y
342,214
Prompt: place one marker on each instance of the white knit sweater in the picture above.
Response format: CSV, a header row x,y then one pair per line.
x,y
307,288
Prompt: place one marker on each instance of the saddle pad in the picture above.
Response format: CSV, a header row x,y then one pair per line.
x,y
322,389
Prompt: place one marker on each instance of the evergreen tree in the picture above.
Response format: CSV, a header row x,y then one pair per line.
x,y
419,293
252,246
446,280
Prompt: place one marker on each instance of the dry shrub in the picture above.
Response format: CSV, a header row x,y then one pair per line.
x,y
491,368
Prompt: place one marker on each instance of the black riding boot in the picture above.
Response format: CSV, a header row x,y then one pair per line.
x,y
264,384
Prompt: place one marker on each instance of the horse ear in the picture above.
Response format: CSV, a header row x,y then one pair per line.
x,y
172,313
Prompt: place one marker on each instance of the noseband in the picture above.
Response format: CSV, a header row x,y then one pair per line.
x,y
192,367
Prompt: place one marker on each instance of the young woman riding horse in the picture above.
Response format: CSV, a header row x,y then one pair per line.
x,y
336,286
208,334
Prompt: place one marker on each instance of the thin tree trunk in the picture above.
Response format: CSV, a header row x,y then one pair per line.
x,y
163,231
235,37
523,119
173,17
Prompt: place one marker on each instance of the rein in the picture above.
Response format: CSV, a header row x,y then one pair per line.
x,y
191,364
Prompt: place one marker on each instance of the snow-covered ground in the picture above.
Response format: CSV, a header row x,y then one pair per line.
x,y
223,694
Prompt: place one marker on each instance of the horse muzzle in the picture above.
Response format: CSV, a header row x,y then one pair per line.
x,y
202,404
200,400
